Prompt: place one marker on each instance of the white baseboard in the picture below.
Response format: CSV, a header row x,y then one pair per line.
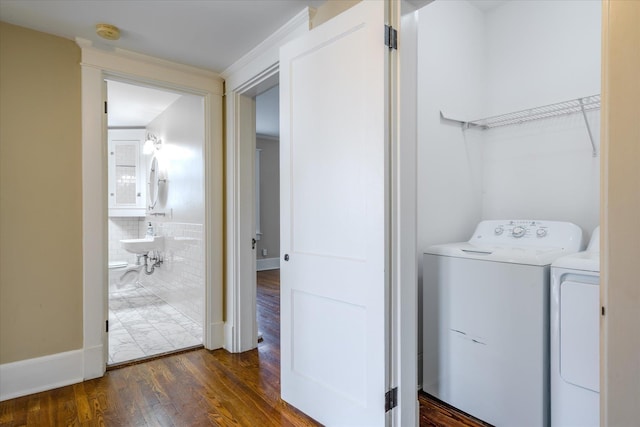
x,y
267,264
94,362
39,374
228,336
216,336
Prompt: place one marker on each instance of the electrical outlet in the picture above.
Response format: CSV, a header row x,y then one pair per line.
x,y
264,252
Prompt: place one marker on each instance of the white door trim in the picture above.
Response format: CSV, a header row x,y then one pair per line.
x,y
249,76
404,221
95,65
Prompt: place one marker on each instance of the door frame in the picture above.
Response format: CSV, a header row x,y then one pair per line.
x,y
252,74
619,205
96,64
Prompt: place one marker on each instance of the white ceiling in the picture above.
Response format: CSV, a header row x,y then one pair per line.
x,y
136,106
210,34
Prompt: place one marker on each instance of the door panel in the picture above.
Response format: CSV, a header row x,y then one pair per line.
x,y
333,151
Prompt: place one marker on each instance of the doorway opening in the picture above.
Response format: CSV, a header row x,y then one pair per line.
x,y
267,200
156,219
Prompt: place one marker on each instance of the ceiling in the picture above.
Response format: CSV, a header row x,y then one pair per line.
x,y
210,34
136,106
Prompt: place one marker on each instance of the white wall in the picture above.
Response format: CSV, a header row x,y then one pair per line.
x,y
180,279
181,128
539,53
451,77
473,64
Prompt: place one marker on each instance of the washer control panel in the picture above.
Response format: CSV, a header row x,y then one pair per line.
x,y
527,233
520,229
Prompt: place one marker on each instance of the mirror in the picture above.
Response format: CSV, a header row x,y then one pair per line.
x,y
155,182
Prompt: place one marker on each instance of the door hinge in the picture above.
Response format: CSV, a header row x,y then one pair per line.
x,y
391,399
106,326
390,37
105,107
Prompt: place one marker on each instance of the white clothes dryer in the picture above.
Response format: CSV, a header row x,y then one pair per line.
x,y
575,338
486,319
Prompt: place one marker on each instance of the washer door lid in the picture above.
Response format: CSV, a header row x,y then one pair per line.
x,y
580,334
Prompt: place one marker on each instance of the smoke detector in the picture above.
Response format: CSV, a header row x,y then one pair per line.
x,y
108,31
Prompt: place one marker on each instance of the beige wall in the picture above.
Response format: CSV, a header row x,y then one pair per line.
x,y
621,213
330,9
40,195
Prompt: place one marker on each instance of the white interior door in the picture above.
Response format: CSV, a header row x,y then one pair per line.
x,y
247,214
334,221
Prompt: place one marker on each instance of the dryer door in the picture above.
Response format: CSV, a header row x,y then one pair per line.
x,y
579,334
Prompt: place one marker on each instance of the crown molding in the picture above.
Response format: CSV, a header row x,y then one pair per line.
x,y
95,55
275,40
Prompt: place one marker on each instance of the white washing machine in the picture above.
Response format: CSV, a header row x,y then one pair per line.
x,y
486,319
575,338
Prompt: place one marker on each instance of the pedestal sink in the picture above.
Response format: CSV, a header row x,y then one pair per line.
x,y
143,246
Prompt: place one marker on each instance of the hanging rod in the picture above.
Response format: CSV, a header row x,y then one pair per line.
x,y
579,105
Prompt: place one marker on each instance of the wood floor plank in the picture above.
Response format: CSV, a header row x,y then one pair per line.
x,y
7,411
84,410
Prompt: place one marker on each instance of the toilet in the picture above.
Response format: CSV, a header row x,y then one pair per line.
x,y
121,274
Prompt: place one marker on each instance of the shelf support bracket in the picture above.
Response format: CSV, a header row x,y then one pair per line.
x,y
463,125
586,122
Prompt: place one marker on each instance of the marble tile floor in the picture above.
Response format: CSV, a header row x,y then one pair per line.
x,y
142,325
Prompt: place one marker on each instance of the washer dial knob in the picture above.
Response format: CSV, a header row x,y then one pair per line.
x,y
518,231
498,231
541,232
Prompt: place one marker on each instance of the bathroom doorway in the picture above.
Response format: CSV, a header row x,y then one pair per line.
x,y
155,221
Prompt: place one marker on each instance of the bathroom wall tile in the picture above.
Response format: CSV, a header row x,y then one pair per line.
x,y
180,279
122,228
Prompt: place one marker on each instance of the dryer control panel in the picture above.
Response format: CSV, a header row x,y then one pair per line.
x,y
530,233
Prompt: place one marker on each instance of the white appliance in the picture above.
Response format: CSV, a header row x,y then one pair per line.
x,y
486,319
575,338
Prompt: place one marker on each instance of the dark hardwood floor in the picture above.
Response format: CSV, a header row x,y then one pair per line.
x,y
194,388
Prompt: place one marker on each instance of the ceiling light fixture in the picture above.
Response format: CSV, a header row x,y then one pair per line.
x,y
108,31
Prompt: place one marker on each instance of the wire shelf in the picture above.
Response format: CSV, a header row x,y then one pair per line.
x,y
579,105
559,109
